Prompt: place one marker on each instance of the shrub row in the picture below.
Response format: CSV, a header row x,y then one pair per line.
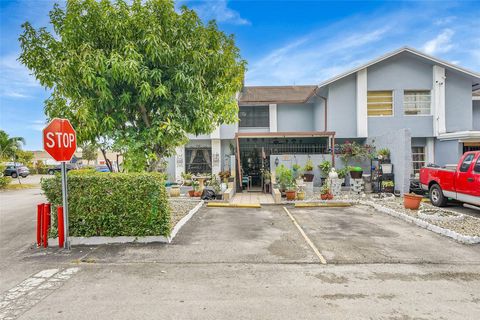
x,y
112,204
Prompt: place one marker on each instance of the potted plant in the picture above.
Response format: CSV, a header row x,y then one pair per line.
x,y
187,178
325,167
412,201
290,191
325,193
308,171
196,191
300,193
267,176
383,154
356,172
388,186
284,177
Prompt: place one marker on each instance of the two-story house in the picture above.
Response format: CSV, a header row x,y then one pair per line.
x,y
423,109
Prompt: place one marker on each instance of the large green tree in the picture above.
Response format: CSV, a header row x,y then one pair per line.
x,y
139,75
10,146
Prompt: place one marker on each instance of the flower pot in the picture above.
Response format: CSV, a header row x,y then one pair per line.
x,y
290,194
329,196
301,195
388,189
411,201
308,177
187,183
175,191
191,193
197,194
266,181
356,174
324,196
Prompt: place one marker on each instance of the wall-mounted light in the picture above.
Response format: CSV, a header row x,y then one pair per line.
x,y
277,161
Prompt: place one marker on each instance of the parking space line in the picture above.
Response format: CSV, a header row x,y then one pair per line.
x,y
307,239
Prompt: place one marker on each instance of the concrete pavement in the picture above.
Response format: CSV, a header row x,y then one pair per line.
x,y
254,264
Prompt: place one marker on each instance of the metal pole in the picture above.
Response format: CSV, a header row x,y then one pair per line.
x,y
65,205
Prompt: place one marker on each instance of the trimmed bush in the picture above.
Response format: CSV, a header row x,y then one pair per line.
x,y
112,204
4,182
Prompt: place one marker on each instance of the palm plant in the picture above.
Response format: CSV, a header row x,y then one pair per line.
x,y
9,147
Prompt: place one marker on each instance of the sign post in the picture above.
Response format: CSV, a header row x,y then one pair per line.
x,y
60,141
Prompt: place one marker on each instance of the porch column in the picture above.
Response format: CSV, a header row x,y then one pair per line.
x,y
216,152
430,151
272,109
438,95
362,113
179,162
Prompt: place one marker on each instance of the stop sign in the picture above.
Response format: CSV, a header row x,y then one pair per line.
x,y
60,139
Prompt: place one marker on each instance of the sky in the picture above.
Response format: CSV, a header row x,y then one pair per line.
x,y
284,43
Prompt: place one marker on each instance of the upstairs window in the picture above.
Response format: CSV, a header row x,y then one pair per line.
x,y
254,116
417,102
379,103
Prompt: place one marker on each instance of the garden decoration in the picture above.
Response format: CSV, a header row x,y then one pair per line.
x,y
308,171
411,201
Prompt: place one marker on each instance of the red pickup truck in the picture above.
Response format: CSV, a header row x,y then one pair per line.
x,y
462,183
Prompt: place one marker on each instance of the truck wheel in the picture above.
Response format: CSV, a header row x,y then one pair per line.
x,y
436,196
14,175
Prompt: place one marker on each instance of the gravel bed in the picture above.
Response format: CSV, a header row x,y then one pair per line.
x,y
181,207
444,218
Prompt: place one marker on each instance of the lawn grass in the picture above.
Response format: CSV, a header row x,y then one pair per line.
x,y
16,186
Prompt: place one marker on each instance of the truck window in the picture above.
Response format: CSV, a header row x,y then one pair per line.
x,y
477,166
466,163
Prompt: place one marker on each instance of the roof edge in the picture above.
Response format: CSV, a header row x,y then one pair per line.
x,y
394,53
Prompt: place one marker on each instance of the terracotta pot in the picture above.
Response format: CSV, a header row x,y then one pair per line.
x,y
308,177
290,194
411,201
324,196
329,196
301,195
191,193
197,194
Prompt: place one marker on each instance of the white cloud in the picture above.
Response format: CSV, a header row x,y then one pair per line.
x,y
441,43
343,45
37,125
15,79
219,11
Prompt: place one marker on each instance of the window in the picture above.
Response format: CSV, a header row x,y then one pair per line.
x,y
380,103
477,166
254,116
467,162
416,102
198,160
418,159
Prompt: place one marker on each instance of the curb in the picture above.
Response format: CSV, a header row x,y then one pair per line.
x,y
232,205
95,241
424,224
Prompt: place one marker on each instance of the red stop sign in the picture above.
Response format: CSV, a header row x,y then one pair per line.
x,y
60,139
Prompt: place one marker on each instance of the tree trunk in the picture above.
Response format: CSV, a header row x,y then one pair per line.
x,y
107,161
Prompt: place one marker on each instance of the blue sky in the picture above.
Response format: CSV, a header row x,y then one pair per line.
x,y
284,42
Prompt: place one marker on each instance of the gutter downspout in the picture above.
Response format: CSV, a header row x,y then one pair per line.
x,y
326,105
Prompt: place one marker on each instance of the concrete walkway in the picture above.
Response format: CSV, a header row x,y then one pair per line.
x,y
252,197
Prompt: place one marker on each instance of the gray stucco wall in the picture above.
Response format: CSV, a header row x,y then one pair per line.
x,y
319,115
476,115
458,102
225,150
398,74
342,107
227,131
419,142
399,143
295,117
447,152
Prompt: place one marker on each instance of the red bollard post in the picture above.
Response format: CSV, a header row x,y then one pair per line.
x,y
39,223
47,208
45,227
60,226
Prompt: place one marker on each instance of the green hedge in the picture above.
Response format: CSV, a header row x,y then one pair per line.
x,y
112,204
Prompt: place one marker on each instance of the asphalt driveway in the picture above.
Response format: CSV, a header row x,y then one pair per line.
x,y
256,264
